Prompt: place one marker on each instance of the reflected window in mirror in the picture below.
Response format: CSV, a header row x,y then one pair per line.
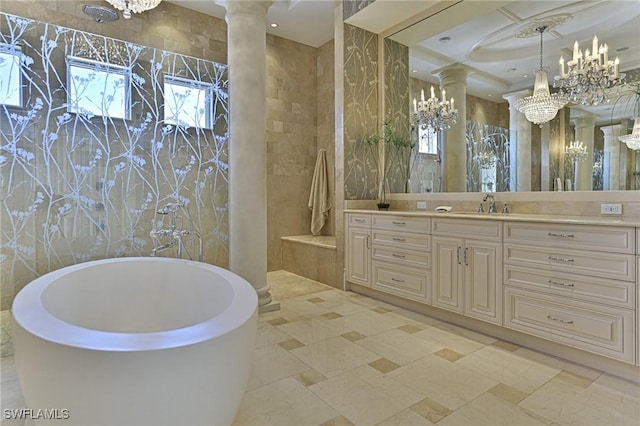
x,y
427,140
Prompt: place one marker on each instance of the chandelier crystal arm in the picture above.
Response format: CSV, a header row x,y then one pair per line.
x,y
135,6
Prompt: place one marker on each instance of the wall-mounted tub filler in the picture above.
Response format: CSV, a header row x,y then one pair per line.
x,y
186,242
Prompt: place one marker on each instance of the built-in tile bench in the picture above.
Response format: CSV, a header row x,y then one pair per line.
x,y
312,257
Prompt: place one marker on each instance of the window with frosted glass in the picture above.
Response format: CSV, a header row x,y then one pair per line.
x,y
98,89
427,140
10,75
187,103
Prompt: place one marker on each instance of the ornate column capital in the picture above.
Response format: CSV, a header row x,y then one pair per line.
x,y
612,131
453,74
250,7
586,120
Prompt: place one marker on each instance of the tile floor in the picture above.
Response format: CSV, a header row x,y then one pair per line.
x,y
330,357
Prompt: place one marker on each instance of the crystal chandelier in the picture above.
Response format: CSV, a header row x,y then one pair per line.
x,y
135,6
589,76
632,140
576,151
434,113
542,106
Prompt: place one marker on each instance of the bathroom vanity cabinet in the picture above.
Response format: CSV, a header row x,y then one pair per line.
x,y
467,270
573,283
358,249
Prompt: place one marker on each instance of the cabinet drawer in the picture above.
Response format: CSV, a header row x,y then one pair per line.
x,y
600,329
605,265
417,259
402,240
421,225
606,291
584,237
359,220
401,281
483,228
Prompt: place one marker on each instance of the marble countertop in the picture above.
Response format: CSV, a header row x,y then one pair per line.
x,y
515,217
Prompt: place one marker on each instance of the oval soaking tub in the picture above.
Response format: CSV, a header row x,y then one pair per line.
x,y
135,341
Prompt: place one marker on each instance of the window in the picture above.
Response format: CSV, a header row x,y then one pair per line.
x,y
96,88
427,140
10,75
188,103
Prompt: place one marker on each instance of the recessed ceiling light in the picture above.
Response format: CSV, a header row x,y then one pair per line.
x,y
622,49
273,25
414,70
490,95
525,75
444,39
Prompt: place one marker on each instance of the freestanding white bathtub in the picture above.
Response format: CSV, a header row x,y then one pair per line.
x,y
135,341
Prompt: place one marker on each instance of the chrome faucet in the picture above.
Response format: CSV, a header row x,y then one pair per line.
x,y
492,202
176,234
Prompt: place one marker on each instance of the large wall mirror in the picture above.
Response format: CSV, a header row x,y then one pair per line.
x,y
485,54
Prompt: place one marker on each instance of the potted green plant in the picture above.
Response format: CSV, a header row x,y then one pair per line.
x,y
394,155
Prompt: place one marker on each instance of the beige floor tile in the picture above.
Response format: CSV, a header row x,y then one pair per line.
x,y
488,410
575,379
430,410
509,394
383,365
285,285
344,306
365,396
406,417
371,323
508,368
444,339
332,315
290,344
313,329
310,377
299,308
447,383
417,317
334,356
557,363
269,335
398,346
463,332
338,421
353,336
449,354
283,403
272,363
411,328
598,405
505,345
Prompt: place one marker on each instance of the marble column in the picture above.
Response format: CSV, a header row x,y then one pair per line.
x,y
247,45
611,160
520,146
585,127
453,79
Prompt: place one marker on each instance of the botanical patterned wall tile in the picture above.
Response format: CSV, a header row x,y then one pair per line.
x,y
360,111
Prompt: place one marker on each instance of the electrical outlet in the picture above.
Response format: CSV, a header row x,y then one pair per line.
x,y
421,205
610,208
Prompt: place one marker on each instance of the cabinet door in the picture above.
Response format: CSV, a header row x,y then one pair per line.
x,y
447,264
358,256
483,280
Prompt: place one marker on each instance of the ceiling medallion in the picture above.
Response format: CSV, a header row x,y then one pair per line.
x,y
530,29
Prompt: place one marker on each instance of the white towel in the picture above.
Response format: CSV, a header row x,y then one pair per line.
x,y
319,201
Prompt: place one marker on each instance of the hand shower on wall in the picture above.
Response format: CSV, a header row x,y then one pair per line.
x,y
185,241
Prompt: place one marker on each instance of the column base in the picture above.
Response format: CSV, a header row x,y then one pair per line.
x,y
269,307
